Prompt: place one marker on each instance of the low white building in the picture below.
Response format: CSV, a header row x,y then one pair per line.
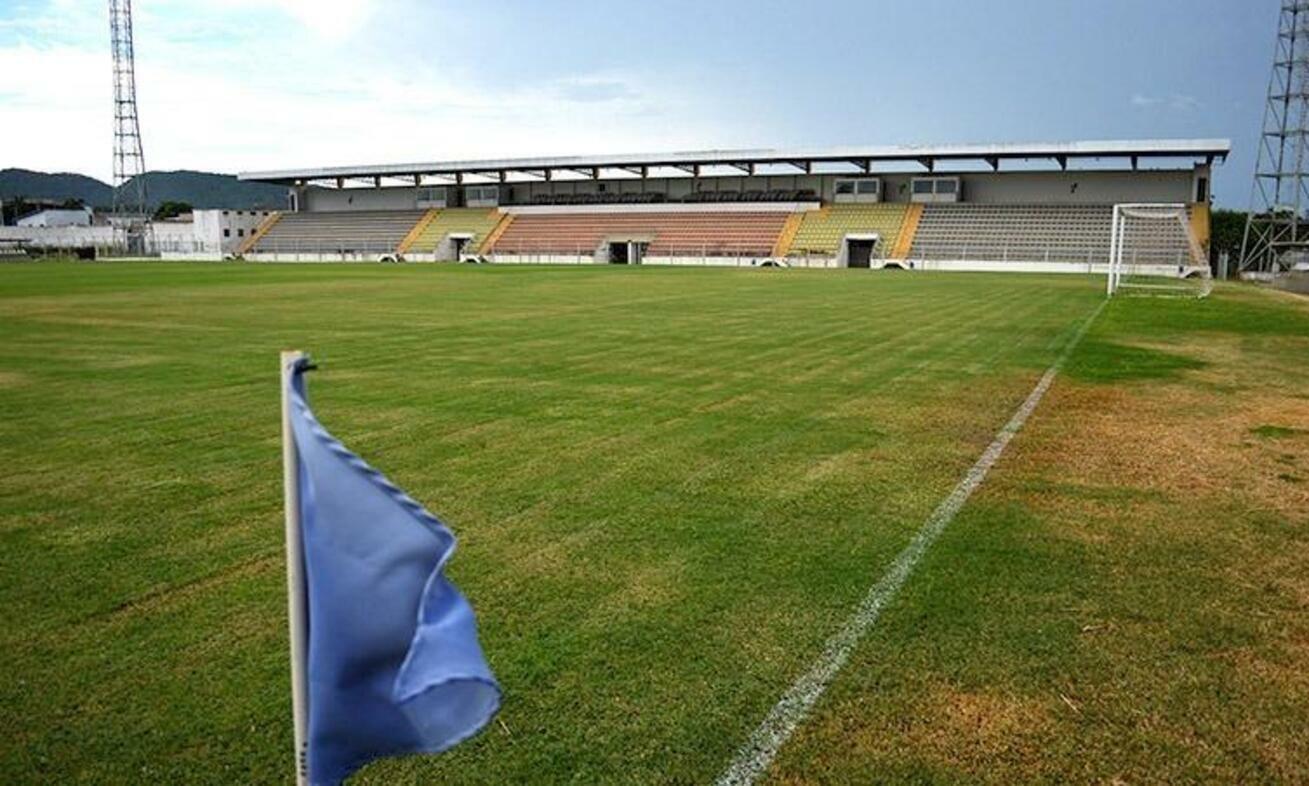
x,y
228,230
75,217
202,234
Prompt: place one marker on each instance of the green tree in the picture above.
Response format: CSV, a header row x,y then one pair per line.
x,y
15,209
167,210
1226,227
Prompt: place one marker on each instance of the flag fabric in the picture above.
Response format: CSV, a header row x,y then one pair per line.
x,y
394,664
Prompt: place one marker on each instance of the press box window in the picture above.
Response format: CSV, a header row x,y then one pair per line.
x,y
935,189
482,196
431,196
867,189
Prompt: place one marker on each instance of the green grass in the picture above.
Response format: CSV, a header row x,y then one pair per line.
x,y
670,487
1271,431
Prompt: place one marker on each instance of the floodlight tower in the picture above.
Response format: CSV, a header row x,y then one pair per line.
x,y
1276,230
131,219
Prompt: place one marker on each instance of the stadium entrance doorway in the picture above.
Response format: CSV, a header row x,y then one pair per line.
x,y
461,244
456,245
859,250
627,252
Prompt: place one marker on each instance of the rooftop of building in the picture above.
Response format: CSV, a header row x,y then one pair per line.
x,y
853,158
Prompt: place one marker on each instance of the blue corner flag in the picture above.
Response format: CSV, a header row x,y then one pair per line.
x,y
394,665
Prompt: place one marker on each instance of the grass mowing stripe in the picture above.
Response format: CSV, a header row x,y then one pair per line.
x,y
925,330
622,477
754,758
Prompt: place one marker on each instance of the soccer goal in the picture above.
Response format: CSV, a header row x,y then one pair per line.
x,y
1153,252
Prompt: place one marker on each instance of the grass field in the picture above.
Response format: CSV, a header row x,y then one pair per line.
x,y
670,486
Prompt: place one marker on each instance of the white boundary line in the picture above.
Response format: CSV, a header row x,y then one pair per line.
x,y
755,756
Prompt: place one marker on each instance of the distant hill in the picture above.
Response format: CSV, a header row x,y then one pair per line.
x,y
199,189
206,189
58,186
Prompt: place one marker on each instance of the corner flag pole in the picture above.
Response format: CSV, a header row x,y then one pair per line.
x,y
295,579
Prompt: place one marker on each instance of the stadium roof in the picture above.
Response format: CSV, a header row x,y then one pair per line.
x,y
746,161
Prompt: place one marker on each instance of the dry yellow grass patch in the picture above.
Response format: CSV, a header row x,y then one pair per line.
x,y
112,362
956,730
13,379
1179,440
835,465
981,723
647,585
66,320
1283,754
545,554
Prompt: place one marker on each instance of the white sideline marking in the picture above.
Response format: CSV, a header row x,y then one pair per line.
x,y
755,756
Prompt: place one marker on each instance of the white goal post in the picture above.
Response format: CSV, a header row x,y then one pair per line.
x,y
1152,251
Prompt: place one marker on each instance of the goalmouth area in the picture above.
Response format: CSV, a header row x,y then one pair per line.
x,y
672,488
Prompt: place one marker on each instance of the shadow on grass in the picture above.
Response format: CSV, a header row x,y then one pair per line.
x,y
1106,361
1235,311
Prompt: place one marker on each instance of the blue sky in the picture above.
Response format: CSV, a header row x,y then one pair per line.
x,y
227,85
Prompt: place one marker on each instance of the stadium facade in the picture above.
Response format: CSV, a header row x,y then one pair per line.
x,y
1037,207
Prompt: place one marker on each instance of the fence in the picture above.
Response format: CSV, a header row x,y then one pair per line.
x,y
927,256
312,250
1027,252
707,255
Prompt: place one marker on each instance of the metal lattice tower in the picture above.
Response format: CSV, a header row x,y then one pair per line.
x,y
1276,231
131,218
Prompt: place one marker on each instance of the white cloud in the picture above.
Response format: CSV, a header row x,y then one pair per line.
x,y
330,19
55,121
245,106
1176,102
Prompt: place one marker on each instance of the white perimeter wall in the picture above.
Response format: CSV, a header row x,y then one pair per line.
x,y
61,237
210,233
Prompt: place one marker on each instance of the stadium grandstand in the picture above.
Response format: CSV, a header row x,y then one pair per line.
x,y
1024,207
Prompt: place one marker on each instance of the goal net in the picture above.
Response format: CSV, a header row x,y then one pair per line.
x,y
1152,251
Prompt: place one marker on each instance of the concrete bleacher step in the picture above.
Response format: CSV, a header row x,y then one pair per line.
x,y
417,231
1040,233
371,231
822,231
668,233
478,222
787,237
260,231
503,224
908,229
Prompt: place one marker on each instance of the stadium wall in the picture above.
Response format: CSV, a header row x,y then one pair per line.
x,y
1004,187
1078,188
345,199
